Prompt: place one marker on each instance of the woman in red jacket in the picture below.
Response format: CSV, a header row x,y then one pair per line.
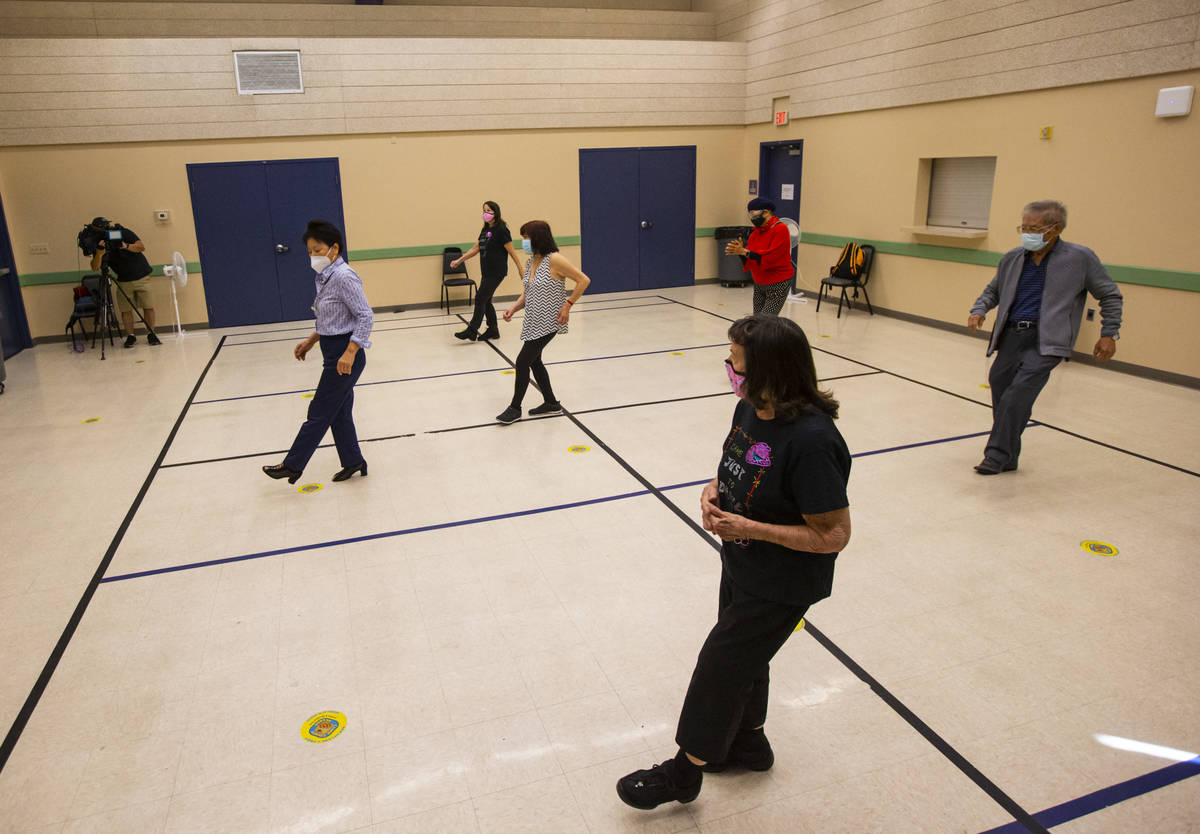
x,y
767,256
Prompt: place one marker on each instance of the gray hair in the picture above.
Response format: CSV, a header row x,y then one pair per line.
x,y
1051,211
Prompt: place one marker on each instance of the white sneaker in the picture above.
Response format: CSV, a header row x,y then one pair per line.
x,y
797,296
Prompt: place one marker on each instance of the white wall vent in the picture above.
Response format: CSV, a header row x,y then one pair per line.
x,y
261,72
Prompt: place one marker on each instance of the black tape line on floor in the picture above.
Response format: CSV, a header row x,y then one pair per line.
x,y
43,680
1076,435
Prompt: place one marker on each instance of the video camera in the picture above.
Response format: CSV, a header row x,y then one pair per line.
x,y
98,231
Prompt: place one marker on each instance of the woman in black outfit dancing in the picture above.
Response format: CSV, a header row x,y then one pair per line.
x,y
494,249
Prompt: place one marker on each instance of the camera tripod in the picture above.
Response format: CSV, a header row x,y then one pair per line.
x,y
107,313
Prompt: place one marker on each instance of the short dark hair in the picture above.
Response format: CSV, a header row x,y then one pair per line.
x,y
779,367
325,232
541,241
495,209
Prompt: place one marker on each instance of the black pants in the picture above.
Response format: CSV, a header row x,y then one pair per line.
x,y
729,687
331,408
483,303
769,298
530,359
1018,375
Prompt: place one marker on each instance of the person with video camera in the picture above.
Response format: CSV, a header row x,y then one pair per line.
x,y
127,260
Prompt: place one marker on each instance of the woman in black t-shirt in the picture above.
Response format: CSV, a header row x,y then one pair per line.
x,y
494,248
779,505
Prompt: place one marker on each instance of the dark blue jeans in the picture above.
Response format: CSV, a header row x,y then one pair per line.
x,y
331,408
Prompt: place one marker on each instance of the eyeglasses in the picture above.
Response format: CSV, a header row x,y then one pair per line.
x,y
1034,229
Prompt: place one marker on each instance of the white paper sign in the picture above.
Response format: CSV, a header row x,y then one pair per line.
x,y
788,191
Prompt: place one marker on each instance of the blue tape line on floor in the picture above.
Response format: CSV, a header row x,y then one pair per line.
x,y
1107,797
468,521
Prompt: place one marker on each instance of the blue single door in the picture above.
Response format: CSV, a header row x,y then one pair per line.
x,y
14,328
637,210
300,190
667,239
608,218
249,220
779,168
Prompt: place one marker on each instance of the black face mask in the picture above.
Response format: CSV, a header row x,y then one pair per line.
x,y
758,221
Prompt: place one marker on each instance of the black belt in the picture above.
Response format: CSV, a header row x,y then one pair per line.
x,y
1020,325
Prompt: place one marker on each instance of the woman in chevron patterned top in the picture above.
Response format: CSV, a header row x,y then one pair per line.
x,y
547,311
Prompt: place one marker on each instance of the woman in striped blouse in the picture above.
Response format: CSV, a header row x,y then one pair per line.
x,y
344,322
547,311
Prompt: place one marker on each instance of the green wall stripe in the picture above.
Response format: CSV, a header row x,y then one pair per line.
x,y
1168,279
1143,276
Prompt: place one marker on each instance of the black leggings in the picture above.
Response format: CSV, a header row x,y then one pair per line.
x,y
530,359
483,303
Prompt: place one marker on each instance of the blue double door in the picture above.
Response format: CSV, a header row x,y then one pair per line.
x,y
250,217
637,212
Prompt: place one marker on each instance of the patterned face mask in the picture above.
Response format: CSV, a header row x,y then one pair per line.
x,y
736,380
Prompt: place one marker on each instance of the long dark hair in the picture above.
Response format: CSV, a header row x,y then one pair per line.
x,y
779,367
541,241
325,232
495,209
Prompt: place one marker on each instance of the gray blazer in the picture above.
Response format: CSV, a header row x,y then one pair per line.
x,y
1071,272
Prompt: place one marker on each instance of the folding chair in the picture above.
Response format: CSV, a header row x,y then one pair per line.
x,y
455,276
846,279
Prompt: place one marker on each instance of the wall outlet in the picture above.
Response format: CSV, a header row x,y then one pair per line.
x,y
39,249
1091,314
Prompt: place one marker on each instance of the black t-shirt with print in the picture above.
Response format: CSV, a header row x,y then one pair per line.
x,y
777,472
493,257
129,266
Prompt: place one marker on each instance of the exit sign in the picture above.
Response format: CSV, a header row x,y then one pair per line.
x,y
781,117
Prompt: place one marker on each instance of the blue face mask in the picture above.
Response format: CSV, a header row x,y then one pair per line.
x,y
525,244
1032,242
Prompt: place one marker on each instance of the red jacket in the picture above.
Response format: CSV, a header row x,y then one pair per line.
x,y
773,243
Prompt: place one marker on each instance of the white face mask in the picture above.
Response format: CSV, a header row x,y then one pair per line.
x,y
320,262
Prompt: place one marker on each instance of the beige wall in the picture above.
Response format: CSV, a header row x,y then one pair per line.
x,y
1128,179
404,190
838,56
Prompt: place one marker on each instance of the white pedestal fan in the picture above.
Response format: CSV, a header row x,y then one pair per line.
x,y
177,272
794,231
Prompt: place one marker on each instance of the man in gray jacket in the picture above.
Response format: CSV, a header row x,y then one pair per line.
x,y
1040,289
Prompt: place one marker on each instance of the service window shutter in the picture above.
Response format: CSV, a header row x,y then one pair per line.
x,y
960,191
261,72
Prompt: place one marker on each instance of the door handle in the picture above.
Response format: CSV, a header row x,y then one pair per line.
x,y
646,224
280,249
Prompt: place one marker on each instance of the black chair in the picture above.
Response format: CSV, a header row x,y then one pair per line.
x,y
455,276
856,283
88,305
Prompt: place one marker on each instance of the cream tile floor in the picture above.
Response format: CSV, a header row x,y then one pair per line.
x,y
510,626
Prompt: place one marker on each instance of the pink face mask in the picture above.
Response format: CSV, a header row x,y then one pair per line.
x,y
736,380
488,217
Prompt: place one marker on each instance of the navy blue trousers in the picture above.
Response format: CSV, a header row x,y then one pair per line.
x,y
331,408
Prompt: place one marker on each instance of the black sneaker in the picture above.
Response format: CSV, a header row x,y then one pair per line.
x,y
152,339
509,415
647,789
546,408
749,750
467,335
490,333
130,340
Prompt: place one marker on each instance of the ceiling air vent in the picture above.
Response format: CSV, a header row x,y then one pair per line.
x,y
268,72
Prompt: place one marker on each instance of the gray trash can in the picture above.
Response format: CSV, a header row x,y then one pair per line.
x,y
729,267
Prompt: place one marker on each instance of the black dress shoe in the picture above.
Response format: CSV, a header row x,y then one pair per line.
x,y
987,466
490,333
280,471
467,335
348,471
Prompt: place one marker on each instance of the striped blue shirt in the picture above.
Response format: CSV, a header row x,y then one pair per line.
x,y
341,305
1027,306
